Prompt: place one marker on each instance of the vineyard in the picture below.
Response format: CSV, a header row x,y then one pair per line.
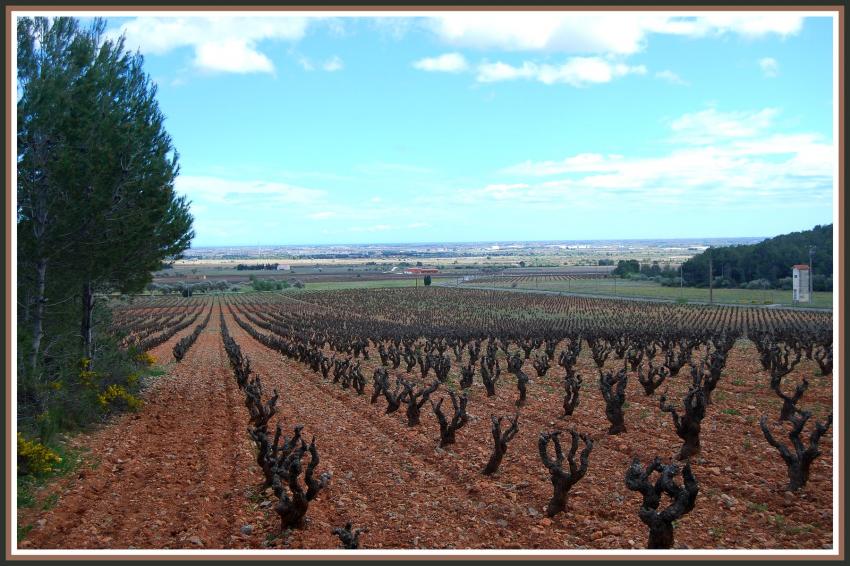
x,y
452,418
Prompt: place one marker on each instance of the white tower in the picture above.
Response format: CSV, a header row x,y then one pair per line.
x,y
801,284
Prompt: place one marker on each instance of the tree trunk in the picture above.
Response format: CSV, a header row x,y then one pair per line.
x,y
86,328
38,316
495,460
798,475
615,417
559,499
691,445
660,535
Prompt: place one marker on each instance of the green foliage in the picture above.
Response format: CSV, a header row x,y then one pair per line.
x,y
427,280
626,266
97,211
758,284
35,458
268,285
63,396
770,260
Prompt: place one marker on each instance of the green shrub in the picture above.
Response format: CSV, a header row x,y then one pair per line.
x,y
758,284
35,458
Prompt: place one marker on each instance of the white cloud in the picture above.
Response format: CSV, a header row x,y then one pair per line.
x,y
231,56
394,28
323,215
749,24
305,63
532,31
580,163
671,77
502,191
419,225
577,71
237,192
769,66
221,43
742,164
708,126
333,64
620,33
447,63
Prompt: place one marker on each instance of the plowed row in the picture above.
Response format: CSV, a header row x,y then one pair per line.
x,y
181,472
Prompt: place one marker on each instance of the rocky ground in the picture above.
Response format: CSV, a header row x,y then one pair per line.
x,y
181,472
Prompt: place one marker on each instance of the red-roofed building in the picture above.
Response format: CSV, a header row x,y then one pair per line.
x,y
420,271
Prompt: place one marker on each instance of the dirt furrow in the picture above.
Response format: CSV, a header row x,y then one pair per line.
x,y
372,460
173,475
507,509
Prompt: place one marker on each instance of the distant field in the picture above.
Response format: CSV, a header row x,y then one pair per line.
x,y
370,284
653,290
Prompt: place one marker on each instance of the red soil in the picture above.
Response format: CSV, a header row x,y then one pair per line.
x,y
181,473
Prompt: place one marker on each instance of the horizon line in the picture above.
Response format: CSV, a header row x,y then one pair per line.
x,y
446,242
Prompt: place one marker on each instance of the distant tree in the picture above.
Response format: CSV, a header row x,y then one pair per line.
x,y
625,267
650,270
427,280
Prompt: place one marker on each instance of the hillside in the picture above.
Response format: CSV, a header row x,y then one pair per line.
x,y
766,263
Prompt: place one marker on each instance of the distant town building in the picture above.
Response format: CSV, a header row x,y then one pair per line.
x,y
283,267
420,271
801,283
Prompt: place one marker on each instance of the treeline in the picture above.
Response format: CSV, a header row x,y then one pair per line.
x,y
96,213
767,264
188,289
257,267
274,285
635,270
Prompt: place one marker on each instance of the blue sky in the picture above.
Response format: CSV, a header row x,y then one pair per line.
x,y
495,127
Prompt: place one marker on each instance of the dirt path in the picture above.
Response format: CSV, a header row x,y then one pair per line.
x,y
172,475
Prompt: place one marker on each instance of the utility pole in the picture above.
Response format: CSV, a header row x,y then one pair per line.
x,y
710,277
